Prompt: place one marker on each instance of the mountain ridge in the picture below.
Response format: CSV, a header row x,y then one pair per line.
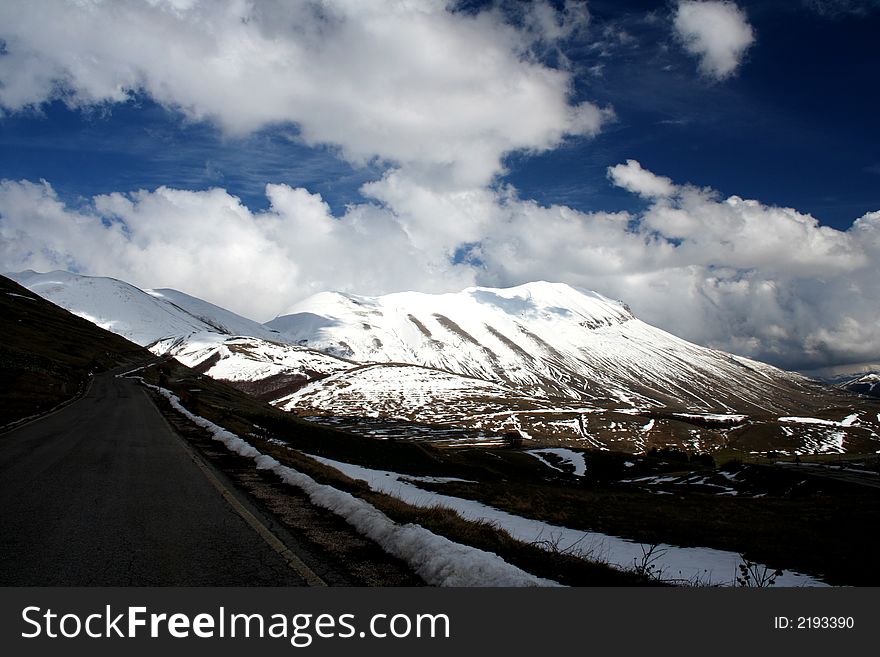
x,y
545,339
542,361
142,316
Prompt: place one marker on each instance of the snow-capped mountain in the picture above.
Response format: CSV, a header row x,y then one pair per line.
x,y
865,384
265,369
219,319
199,334
543,340
142,316
406,392
542,360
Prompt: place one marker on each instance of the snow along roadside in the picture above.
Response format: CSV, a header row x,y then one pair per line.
x,y
672,563
436,559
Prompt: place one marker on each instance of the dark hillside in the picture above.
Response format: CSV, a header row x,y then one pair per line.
x,y
47,353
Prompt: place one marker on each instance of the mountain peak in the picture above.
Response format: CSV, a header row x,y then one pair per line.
x,y
526,299
540,338
544,296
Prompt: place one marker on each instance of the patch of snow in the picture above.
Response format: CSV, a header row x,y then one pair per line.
x,y
676,563
538,455
125,374
241,358
575,459
850,420
438,480
650,479
732,418
427,396
436,559
517,427
810,420
636,410
487,443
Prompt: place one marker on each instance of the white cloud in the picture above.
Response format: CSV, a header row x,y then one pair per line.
x,y
551,24
208,244
440,97
716,31
633,178
758,280
445,94
736,274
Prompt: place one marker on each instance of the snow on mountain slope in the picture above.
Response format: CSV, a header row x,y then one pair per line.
x,y
545,360
141,316
408,392
866,384
224,321
542,339
264,368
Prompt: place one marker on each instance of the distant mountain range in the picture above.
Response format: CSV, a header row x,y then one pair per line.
x,y
865,384
541,361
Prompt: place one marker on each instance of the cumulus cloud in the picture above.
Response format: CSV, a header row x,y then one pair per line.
x,y
443,93
633,178
716,31
208,244
437,97
740,275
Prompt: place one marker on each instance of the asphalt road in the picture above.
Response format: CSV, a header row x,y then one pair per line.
x,y
103,493
831,471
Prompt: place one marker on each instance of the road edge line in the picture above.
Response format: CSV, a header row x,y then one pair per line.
x,y
265,533
293,561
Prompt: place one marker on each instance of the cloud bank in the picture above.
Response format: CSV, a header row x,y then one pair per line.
x,y
758,280
716,31
436,97
441,93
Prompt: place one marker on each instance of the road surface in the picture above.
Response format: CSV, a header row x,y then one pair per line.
x,y
103,493
831,471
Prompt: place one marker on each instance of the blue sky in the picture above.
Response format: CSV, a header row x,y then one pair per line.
x,y
796,127
253,154
141,145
